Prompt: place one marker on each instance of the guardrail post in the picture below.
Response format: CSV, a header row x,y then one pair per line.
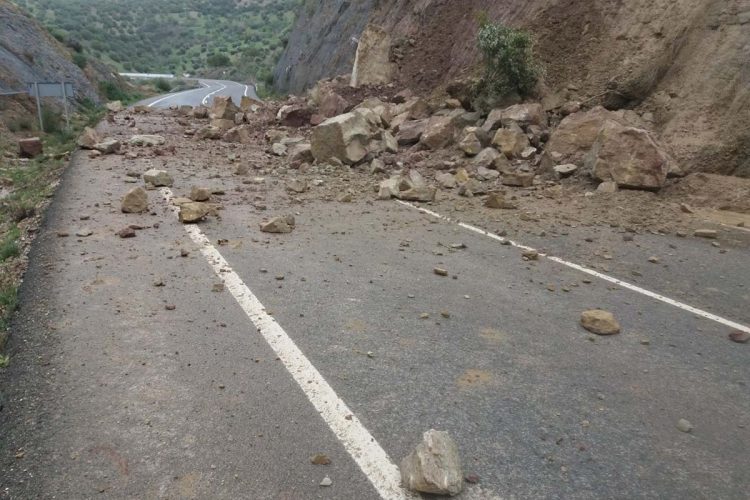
x,y
38,105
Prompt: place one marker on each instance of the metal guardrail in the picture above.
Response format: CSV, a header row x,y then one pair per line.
x,y
14,93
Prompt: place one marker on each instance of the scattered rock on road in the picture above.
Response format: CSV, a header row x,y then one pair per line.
x,y
200,194
434,466
158,178
710,234
147,140
739,337
320,459
193,212
684,425
279,225
326,481
88,138
600,322
135,201
126,232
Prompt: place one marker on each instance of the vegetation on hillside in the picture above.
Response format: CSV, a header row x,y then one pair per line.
x,y
509,65
242,37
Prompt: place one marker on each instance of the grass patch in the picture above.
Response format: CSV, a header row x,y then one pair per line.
x,y
9,247
8,304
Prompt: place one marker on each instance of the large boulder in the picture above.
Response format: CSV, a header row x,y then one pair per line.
x,y
89,138
410,132
524,115
345,137
331,104
242,134
223,108
434,466
575,136
380,108
294,115
510,142
372,63
439,132
629,157
193,211
135,201
108,146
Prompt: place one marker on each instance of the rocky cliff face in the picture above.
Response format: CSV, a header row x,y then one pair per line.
x,y
681,64
28,53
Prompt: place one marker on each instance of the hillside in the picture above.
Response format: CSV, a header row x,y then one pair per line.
x,y
28,53
193,36
681,64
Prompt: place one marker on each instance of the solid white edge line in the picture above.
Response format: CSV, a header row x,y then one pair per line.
x,y
246,90
175,95
357,440
577,267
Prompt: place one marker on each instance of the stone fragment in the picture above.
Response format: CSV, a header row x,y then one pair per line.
x,y
629,157
126,232
135,201
470,144
345,137
114,106
158,178
193,211
300,152
242,134
294,115
31,147
279,149
326,481
297,186
209,132
223,108
438,132
510,142
389,188
486,158
320,459
440,271
200,193
519,179
739,337
372,62
377,166
486,174
498,201
279,225
200,112
607,187
410,132
420,193
684,425
147,140
524,114
565,170
88,138
434,466
108,146
446,180
710,234
600,322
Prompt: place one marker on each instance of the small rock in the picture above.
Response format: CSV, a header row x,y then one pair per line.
x,y
320,459
600,322
565,170
326,481
440,272
170,307
498,201
200,194
684,425
297,186
84,233
607,187
279,225
158,178
434,466
31,147
530,255
686,208
193,212
126,232
710,234
739,337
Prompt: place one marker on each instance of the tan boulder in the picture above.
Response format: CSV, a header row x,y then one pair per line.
x,y
279,225
223,108
572,140
193,211
242,134
200,193
135,201
31,147
438,133
497,201
372,62
345,137
410,132
629,157
88,138
510,142
600,322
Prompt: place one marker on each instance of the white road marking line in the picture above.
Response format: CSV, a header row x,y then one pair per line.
x,y
175,95
246,90
577,267
205,99
361,445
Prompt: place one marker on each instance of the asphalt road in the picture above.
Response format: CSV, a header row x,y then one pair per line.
x,y
110,394
203,95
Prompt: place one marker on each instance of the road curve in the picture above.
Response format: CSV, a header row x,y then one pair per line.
x,y
203,95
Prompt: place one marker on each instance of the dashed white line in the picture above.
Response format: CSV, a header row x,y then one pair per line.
x,y
170,96
577,267
359,443
205,99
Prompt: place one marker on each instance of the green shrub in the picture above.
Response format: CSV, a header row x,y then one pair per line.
x,y
9,246
218,60
53,120
162,85
509,65
80,60
112,92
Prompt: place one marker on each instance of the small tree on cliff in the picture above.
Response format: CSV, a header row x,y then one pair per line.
x,y
509,65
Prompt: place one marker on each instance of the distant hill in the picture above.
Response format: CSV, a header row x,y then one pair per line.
x,y
242,37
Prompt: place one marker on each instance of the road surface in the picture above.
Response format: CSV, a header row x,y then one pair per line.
x,y
203,95
339,339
